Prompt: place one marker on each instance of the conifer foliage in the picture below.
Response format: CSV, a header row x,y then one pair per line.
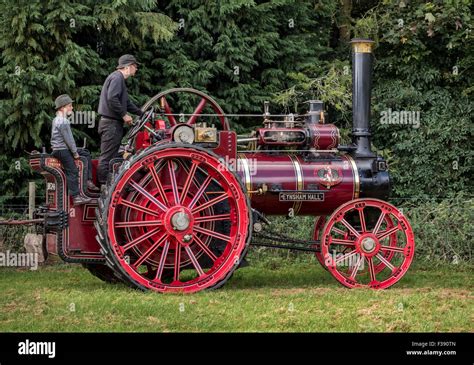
x,y
243,52
54,47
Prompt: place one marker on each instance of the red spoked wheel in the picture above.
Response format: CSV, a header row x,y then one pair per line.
x,y
178,220
193,101
367,243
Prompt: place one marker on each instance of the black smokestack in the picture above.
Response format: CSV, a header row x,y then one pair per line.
x,y
361,88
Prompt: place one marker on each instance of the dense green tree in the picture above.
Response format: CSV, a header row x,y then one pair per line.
x,y
55,47
424,57
424,63
242,53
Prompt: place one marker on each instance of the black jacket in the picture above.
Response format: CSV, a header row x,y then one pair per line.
x,y
114,102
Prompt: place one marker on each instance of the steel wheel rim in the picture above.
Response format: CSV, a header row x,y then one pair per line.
x,y
368,246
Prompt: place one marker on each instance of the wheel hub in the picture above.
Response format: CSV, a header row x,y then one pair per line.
x,y
368,244
180,221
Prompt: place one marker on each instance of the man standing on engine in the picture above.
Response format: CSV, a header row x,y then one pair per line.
x,y
113,107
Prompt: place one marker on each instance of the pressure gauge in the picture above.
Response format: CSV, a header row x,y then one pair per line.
x,y
184,134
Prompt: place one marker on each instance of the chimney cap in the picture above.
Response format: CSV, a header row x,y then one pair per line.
x,y
315,105
362,45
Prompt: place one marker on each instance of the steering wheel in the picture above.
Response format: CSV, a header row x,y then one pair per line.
x,y
140,123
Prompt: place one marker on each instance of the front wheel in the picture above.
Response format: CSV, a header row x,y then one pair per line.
x,y
367,243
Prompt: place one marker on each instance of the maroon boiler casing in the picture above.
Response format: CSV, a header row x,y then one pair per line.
x,y
309,187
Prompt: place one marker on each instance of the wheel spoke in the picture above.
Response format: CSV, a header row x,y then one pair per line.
x,y
157,181
198,110
129,204
139,239
379,223
198,194
146,194
177,261
217,235
209,203
356,267
205,248
345,257
385,262
174,186
150,250
211,218
189,180
339,231
194,260
362,220
386,233
161,265
194,180
139,224
166,107
337,241
371,268
350,228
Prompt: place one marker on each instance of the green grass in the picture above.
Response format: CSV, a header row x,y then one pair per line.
x,y
268,296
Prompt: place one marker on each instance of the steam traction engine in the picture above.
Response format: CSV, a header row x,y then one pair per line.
x,y
181,203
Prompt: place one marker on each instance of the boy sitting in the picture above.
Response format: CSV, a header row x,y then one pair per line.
x,y
65,150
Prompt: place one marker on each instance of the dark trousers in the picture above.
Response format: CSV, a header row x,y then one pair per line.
x,y
70,169
111,134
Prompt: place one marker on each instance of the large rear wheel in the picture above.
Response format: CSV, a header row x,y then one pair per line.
x,y
176,220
